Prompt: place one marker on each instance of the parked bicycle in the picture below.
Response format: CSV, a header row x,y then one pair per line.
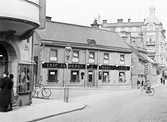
x,y
143,90
45,92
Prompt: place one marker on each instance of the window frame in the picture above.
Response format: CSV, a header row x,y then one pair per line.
x,y
123,59
120,79
107,61
93,58
76,81
56,78
73,56
56,55
106,81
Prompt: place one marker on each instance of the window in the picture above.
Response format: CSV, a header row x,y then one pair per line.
x,y
122,77
53,55
106,58
52,76
122,59
75,56
74,76
151,49
91,57
105,77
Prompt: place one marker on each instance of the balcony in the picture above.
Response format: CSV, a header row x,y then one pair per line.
x,y
19,17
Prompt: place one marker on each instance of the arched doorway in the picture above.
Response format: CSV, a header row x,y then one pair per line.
x,y
8,58
3,60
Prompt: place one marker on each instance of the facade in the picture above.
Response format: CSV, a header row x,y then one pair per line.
x,y
83,56
148,37
17,25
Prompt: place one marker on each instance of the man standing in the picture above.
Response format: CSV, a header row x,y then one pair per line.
x,y
6,86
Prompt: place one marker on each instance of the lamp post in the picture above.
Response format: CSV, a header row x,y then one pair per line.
x,y
68,51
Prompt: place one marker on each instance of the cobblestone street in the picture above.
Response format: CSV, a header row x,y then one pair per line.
x,y
119,106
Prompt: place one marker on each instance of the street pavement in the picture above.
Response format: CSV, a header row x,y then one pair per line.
x,y
45,108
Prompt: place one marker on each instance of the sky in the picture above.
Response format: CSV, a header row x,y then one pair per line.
x,y
83,12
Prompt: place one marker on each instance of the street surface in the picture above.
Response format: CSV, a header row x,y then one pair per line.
x,y
119,106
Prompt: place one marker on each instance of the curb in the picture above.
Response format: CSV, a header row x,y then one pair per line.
x,y
35,120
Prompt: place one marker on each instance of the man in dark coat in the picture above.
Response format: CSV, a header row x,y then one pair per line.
x,y
6,86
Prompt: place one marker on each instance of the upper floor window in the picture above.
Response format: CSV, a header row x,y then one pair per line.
x,y
75,56
122,59
91,57
106,58
53,55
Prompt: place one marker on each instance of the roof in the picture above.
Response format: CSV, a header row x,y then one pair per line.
x,y
135,51
63,32
123,24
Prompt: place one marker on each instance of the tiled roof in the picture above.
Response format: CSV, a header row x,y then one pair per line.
x,y
69,33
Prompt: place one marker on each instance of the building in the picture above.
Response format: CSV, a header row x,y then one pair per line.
x,y
97,58
17,25
148,36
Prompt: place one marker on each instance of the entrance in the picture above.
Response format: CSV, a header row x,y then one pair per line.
x,y
91,79
3,60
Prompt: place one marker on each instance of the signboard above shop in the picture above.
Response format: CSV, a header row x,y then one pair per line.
x,y
84,66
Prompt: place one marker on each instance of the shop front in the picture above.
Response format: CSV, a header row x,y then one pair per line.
x,y
85,75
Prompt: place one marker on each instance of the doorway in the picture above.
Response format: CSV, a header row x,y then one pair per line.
x,y
3,60
91,78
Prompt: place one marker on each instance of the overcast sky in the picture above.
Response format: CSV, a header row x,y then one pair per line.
x,y
83,12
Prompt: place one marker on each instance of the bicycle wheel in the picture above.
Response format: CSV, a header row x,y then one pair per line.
x,y
152,92
33,93
46,92
141,91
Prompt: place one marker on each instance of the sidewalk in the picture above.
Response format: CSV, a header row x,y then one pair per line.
x,y
40,109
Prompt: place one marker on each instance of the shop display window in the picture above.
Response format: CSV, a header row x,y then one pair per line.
x,y
105,77
52,76
25,83
122,77
74,77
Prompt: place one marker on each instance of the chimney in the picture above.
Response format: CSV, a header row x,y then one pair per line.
x,y
48,18
119,20
95,24
129,20
104,21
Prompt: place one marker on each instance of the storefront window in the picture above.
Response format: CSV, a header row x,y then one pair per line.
x,y
52,76
25,77
106,77
74,76
122,77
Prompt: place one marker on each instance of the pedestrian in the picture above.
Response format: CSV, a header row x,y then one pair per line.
x,y
6,86
161,80
11,76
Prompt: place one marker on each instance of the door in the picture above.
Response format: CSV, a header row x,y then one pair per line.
x,y
90,79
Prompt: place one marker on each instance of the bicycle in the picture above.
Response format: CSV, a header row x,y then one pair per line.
x,y
45,92
143,90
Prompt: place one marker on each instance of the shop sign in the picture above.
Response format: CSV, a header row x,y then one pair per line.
x,y
63,65
54,65
110,67
91,66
